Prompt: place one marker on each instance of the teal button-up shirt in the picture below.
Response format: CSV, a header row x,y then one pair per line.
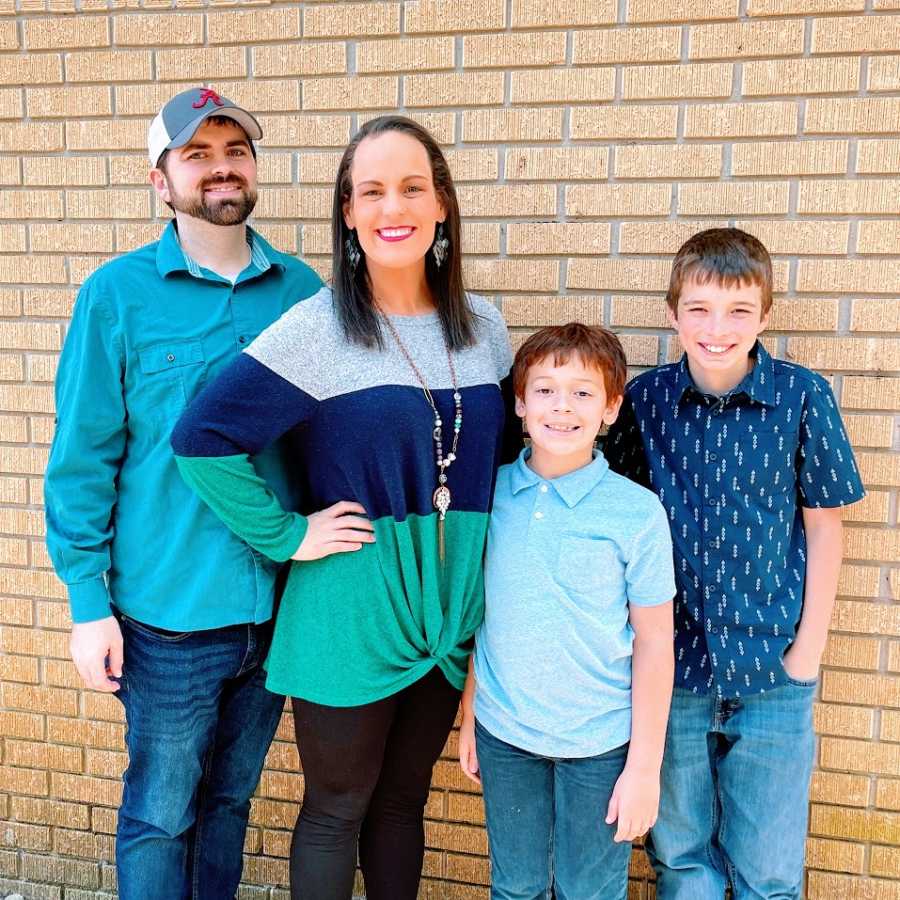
x,y
149,330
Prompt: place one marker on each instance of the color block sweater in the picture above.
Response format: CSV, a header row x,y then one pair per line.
x,y
356,627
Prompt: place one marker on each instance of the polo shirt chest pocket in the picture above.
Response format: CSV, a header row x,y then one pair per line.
x,y
171,373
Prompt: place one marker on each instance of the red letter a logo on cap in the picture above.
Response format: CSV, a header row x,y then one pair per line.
x,y
205,97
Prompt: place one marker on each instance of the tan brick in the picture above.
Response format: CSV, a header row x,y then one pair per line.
x,y
275,168
797,7
878,156
541,13
859,687
128,170
879,237
511,275
405,55
618,200
825,886
789,158
800,76
473,165
13,490
71,238
502,51
836,788
294,203
264,96
200,63
48,303
872,544
22,461
377,92
507,200
627,45
39,755
736,198
10,104
34,68
885,861
875,505
81,733
299,59
623,122
106,763
857,824
9,36
871,392
860,756
845,197
845,353
731,40
638,312
25,837
869,431
108,66
109,204
856,34
66,31
563,85
47,812
462,15
181,29
877,276
508,125
454,89
25,137
9,171
556,163
677,81
741,120
253,26
110,134
879,468
837,856
680,10
557,238
12,239
848,652
318,168
876,315
848,116
81,873
617,274
801,238
84,171
33,269
887,793
350,19
672,161
441,125
84,844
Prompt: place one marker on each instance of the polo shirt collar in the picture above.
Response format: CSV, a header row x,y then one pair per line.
x,y
170,257
572,488
758,384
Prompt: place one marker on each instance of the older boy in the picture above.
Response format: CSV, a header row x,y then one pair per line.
x,y
751,462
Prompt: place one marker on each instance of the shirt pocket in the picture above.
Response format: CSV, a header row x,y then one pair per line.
x,y
591,568
171,373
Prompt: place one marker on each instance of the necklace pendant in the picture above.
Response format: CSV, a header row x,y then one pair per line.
x,y
441,500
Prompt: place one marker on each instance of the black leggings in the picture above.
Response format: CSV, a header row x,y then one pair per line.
x,y
367,770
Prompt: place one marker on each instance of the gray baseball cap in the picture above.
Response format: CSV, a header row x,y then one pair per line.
x,y
177,121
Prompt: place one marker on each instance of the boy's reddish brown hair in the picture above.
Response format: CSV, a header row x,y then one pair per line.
x,y
593,345
728,256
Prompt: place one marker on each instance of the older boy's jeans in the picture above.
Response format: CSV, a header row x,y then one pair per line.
x,y
199,724
735,793
545,823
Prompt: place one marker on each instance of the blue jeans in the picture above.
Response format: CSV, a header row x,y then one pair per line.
x,y
545,823
735,793
200,721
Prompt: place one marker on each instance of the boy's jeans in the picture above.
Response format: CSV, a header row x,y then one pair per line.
x,y
735,793
545,823
199,724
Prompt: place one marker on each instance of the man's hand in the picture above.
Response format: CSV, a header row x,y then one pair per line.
x,y
634,803
96,649
468,755
335,530
800,663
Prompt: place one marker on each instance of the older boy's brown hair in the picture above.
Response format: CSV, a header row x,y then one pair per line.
x,y
728,256
593,345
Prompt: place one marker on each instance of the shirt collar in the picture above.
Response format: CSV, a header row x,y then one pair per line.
x,y
572,488
758,384
170,257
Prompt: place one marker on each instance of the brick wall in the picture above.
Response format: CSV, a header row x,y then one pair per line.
x,y
588,138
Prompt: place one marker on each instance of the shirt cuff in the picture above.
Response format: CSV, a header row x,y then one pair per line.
x,y
293,537
89,600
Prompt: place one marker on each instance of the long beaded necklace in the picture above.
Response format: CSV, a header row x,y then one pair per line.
x,y
441,497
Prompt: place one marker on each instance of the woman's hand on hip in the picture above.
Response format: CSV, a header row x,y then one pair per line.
x,y
335,530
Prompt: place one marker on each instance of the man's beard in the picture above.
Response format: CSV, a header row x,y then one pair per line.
x,y
221,212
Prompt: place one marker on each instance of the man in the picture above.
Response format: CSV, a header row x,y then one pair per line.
x,y
170,611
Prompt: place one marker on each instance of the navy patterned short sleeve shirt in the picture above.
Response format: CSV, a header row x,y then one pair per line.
x,y
733,474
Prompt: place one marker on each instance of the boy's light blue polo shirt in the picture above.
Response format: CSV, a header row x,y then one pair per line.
x,y
149,329
565,559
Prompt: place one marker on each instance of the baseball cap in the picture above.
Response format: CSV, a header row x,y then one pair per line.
x,y
177,121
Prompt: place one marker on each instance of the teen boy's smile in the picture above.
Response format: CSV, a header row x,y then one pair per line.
x,y
564,407
718,327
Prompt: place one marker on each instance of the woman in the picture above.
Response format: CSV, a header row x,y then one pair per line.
x,y
393,377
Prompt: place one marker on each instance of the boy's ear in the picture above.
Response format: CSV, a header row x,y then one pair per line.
x,y
671,318
520,407
612,410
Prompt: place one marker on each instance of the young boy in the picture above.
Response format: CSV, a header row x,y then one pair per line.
x,y
751,462
574,659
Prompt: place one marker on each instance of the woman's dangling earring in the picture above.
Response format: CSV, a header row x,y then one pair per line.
x,y
351,250
441,246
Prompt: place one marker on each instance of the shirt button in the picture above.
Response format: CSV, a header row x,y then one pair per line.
x,y
712,501
170,357
242,339
713,629
544,488
713,456
539,515
711,544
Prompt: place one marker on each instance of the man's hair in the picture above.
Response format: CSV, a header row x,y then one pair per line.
x,y
728,256
595,346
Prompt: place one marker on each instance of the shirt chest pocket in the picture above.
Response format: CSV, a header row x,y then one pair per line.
x,y
169,375
591,569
